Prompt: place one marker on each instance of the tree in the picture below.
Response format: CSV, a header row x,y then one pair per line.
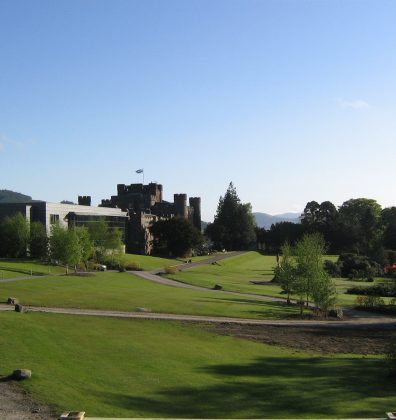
x,y
234,225
282,232
38,243
311,277
86,245
311,214
175,237
106,240
65,246
285,273
14,234
361,219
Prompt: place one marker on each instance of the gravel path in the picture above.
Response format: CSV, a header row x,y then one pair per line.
x,y
375,320
17,405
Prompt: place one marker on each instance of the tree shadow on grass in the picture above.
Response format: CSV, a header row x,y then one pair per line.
x,y
270,309
272,387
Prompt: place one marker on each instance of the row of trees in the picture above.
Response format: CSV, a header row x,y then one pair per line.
x,y
358,226
301,272
71,247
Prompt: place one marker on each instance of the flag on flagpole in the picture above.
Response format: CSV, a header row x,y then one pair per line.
x,y
139,171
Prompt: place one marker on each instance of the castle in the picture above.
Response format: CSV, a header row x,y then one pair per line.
x,y
144,206
132,210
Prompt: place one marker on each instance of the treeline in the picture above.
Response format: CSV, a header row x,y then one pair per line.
x,y
358,226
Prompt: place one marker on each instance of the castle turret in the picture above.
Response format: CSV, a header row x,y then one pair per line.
x,y
180,202
84,200
195,206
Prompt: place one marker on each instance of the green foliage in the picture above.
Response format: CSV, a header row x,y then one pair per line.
x,y
234,225
14,236
65,246
312,279
369,302
85,244
106,241
38,241
332,268
285,273
175,237
279,233
356,266
361,219
376,290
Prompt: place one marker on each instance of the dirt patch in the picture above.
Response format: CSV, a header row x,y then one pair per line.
x,y
16,404
326,339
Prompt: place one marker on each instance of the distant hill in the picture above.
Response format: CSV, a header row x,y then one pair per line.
x,y
7,196
266,220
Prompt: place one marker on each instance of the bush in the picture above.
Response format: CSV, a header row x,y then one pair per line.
x,y
132,266
370,302
377,290
170,269
332,268
355,266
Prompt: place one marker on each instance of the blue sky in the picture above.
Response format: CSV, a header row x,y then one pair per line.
x,y
293,100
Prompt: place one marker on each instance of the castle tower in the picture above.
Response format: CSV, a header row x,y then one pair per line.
x,y
180,202
195,205
84,200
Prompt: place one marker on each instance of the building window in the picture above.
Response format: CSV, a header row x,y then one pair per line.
x,y
54,218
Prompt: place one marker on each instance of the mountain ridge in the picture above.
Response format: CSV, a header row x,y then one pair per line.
x,y
265,220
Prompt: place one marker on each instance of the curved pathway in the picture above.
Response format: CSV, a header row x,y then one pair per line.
x,y
355,317
362,321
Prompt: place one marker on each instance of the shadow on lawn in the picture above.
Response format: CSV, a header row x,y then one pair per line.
x,y
22,271
273,387
270,309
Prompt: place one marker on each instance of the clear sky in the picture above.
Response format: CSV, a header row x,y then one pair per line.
x,y
292,100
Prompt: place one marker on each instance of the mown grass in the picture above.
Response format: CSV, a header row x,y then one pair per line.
x,y
146,262
234,274
11,268
130,368
126,292
239,273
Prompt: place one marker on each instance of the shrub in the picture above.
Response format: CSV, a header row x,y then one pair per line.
x,y
170,269
132,266
332,268
377,290
356,266
369,302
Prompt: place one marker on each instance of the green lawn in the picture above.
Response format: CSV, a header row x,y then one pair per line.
x,y
234,274
131,368
147,262
126,292
237,273
11,268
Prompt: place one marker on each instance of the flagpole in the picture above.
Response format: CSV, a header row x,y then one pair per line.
x,y
143,176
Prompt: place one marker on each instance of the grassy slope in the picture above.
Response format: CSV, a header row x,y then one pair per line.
x,y
11,268
127,368
125,292
236,274
150,263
